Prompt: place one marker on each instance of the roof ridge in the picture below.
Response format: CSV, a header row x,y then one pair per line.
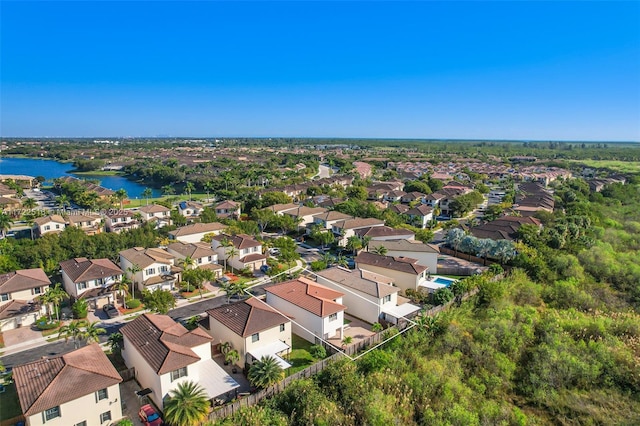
x,y
44,391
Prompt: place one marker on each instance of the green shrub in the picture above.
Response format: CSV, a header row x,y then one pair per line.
x,y
44,324
133,303
318,351
80,309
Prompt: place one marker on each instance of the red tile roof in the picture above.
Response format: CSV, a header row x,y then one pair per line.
x,y
308,295
82,269
23,279
247,317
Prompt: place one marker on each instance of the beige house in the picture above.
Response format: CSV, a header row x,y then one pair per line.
x,y
121,220
18,293
305,215
92,280
165,354
78,388
227,209
91,224
157,214
157,268
249,251
190,209
347,228
425,254
405,272
49,224
254,329
327,220
195,233
200,253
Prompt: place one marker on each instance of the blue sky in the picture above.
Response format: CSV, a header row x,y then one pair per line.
x,y
476,70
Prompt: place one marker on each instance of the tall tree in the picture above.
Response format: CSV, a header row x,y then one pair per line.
x,y
74,331
121,195
5,224
146,194
188,188
57,295
188,405
92,332
265,372
133,270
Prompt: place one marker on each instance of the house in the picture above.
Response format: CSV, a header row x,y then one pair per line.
x,y
228,208
317,310
7,202
78,388
410,197
381,233
532,197
327,220
155,213
279,209
254,329
433,200
425,254
48,224
368,295
165,354
394,196
503,228
121,220
405,272
420,215
195,233
303,215
190,209
202,254
150,269
91,224
248,251
92,280
18,293
347,228
398,208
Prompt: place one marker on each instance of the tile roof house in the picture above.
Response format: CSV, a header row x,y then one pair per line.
x,y
503,228
421,216
405,272
253,328
317,311
378,233
196,232
78,388
304,214
202,254
532,197
18,293
92,280
425,254
164,354
91,224
157,214
158,270
327,220
121,220
190,209
249,251
48,224
347,228
227,208
368,295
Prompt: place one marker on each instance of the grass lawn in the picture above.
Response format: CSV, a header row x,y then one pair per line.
x,y
346,321
9,404
619,166
300,357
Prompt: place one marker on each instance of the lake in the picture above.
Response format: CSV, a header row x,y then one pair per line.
x,y
52,169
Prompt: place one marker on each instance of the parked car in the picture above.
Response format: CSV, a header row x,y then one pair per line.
x,y
274,251
110,310
149,416
264,269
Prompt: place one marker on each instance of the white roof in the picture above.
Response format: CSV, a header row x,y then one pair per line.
x,y
400,311
214,379
431,285
272,349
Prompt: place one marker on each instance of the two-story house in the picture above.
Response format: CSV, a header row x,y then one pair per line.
x,y
227,208
368,295
327,220
248,251
317,310
121,220
254,329
157,214
150,269
405,272
91,224
303,215
425,254
91,280
347,228
421,215
201,254
78,388
378,233
190,209
195,233
49,224
165,354
18,297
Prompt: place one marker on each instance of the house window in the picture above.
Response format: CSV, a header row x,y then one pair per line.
x,y
255,337
210,258
37,290
47,227
4,297
82,285
180,372
150,271
386,299
163,268
102,394
199,260
57,226
105,417
52,413
83,423
281,328
333,317
99,282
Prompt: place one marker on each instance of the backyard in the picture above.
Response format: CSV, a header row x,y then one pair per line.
x,y
9,404
300,356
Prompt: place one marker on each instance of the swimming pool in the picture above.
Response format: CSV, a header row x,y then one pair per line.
x,y
444,281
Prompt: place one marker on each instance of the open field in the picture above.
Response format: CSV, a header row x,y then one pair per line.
x,y
618,166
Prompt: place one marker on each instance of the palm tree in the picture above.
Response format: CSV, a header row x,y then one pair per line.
x,y
188,405
354,243
115,342
63,200
188,188
72,330
57,295
208,186
484,248
379,250
92,332
29,203
346,341
454,238
225,243
5,224
188,262
122,287
168,190
30,222
121,195
146,194
46,300
232,252
265,372
133,270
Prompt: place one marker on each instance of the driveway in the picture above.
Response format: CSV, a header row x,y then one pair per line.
x,y
19,335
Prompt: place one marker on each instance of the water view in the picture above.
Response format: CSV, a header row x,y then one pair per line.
x,y
52,169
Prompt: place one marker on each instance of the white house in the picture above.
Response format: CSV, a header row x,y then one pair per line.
x,y
327,220
405,272
121,220
78,388
200,253
156,268
91,280
317,311
48,224
380,233
227,208
190,209
420,215
425,254
164,354
254,329
18,293
160,215
347,228
304,214
195,233
248,251
91,224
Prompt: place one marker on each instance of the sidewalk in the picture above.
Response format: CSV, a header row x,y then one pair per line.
x,y
42,341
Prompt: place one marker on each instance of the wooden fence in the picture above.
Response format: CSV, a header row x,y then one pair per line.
x,y
253,399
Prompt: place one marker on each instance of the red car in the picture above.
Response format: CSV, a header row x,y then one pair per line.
x,y
149,416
